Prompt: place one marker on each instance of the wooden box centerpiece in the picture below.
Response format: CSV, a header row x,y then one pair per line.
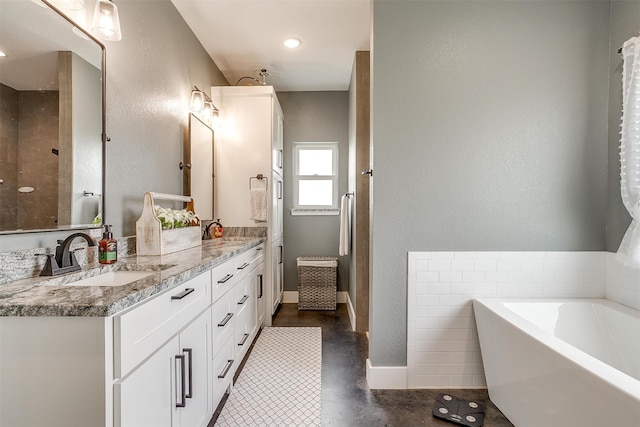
x,y
162,231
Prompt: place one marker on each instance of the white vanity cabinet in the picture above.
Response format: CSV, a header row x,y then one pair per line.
x,y
248,145
171,387
165,361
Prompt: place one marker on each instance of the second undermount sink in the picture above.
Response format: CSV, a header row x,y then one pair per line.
x,y
112,278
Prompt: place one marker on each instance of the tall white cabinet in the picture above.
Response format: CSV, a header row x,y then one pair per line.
x,y
249,143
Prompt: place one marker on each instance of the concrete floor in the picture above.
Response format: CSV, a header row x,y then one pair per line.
x,y
347,400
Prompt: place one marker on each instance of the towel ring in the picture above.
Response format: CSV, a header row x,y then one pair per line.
x,y
259,177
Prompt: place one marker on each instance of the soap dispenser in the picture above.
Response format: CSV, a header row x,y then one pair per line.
x,y
107,247
217,228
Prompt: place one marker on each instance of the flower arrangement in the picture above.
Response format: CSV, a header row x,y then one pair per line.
x,y
175,218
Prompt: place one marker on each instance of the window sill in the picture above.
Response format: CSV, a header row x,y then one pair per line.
x,y
307,212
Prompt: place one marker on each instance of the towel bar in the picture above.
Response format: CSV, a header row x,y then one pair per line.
x,y
259,177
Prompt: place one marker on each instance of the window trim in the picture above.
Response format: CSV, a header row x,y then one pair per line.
x,y
332,209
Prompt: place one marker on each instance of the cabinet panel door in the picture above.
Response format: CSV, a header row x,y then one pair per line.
x,y
260,283
277,141
277,207
148,396
277,271
194,344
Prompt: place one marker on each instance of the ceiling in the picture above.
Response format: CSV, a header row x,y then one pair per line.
x,y
243,36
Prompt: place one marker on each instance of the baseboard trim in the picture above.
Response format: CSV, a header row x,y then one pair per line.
x,y
352,312
386,377
291,297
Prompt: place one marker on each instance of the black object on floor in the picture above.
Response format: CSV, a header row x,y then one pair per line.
x,y
458,411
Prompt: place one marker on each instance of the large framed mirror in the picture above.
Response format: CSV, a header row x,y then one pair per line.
x,y
198,173
52,121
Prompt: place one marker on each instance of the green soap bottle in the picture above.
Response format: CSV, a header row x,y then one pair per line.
x,y
107,247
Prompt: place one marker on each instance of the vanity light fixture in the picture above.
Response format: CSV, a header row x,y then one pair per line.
x,y
106,22
202,105
197,100
292,43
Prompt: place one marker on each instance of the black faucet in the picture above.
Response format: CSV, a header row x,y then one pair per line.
x,y
64,260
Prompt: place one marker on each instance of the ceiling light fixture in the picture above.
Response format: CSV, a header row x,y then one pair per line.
x,y
106,22
2,53
292,43
263,74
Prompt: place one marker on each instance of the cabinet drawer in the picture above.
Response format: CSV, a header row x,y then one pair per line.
x,y
243,262
243,335
242,295
223,278
222,371
222,321
142,330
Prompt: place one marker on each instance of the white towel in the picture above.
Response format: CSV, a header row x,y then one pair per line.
x,y
345,226
258,202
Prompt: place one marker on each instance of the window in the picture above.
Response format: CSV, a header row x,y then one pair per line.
x,y
315,176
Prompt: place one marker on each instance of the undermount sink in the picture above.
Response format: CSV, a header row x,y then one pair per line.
x,y
112,278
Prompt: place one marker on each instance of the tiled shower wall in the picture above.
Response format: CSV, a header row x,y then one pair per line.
x,y
442,340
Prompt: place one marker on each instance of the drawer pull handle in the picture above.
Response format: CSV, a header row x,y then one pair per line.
x,y
243,266
244,339
243,300
226,369
189,351
225,278
183,293
183,400
259,249
225,320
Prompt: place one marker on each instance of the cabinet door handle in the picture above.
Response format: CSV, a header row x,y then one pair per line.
x,y
189,351
244,339
225,278
280,248
182,394
260,285
225,320
243,300
280,158
280,190
226,369
243,266
183,294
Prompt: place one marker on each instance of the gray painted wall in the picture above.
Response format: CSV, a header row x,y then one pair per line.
x,y
625,23
150,74
489,133
313,117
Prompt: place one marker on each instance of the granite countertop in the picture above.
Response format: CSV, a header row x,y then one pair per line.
x,y
52,296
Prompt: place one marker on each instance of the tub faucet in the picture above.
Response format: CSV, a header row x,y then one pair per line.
x,y
64,260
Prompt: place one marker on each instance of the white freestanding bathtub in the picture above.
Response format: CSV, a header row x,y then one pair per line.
x,y
561,363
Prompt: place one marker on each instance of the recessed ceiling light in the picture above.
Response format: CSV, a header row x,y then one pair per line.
x,y
2,53
292,43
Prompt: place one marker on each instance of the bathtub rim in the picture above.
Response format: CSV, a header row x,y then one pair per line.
x,y
621,381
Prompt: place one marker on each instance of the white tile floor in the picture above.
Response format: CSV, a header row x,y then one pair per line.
x,y
281,382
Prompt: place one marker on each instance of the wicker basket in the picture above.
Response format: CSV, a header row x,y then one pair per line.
x,y
317,279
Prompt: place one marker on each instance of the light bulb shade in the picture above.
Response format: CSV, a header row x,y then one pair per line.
x,y
197,101
215,118
106,22
207,110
